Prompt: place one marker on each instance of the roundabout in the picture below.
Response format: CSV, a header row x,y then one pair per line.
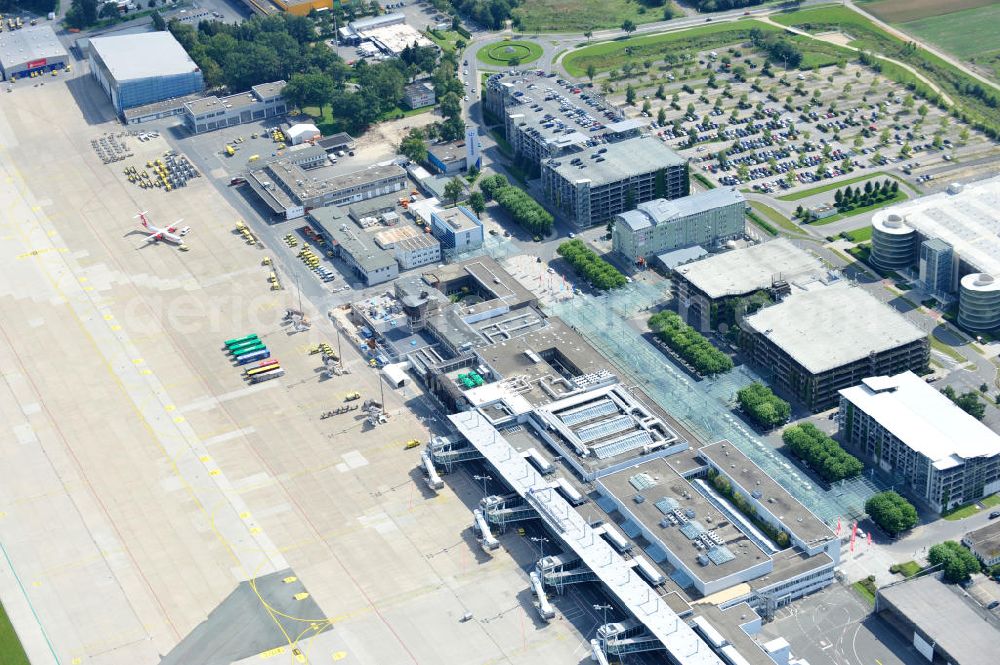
x,y
509,53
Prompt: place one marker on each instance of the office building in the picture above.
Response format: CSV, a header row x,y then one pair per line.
x,y
31,50
942,623
143,68
599,183
819,341
261,102
985,544
457,228
371,263
418,250
710,287
447,158
707,218
909,429
950,240
418,95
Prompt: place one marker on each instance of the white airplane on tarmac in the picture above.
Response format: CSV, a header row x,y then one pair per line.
x,y
173,233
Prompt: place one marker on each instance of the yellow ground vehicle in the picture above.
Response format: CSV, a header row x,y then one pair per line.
x,y
253,158
412,443
350,397
229,150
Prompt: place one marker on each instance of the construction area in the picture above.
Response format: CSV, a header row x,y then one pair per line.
x,y
202,519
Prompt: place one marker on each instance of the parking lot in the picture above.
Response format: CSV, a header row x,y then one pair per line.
x,y
774,134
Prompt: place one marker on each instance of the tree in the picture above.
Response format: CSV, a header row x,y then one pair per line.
x,y
493,184
823,454
453,189
591,71
630,95
314,89
968,402
661,117
628,26
451,105
109,10
891,512
514,61
159,24
763,406
477,202
414,146
588,34
957,562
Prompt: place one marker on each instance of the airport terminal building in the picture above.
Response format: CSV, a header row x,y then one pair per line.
x,y
140,69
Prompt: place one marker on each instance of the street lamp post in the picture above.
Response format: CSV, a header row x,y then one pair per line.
x,y
541,545
605,608
483,478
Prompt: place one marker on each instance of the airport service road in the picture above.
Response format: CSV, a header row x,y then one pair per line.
x,y
835,628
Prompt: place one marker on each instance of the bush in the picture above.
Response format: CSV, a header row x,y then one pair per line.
x,y
601,274
725,488
891,512
689,344
822,453
763,406
956,561
524,210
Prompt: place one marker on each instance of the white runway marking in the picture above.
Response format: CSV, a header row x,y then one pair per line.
x,y
229,436
207,403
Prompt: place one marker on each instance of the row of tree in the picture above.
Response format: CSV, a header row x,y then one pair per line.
x,y
524,210
601,274
822,453
725,488
778,49
873,192
891,512
763,406
689,344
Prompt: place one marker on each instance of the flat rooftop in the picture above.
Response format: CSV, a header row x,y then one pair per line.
x,y
776,498
18,47
748,269
923,419
969,221
489,274
663,211
663,491
452,151
986,540
457,219
643,154
143,55
360,245
946,618
237,101
832,326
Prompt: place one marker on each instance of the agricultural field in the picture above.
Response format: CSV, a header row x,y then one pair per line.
x,y
902,11
970,35
577,16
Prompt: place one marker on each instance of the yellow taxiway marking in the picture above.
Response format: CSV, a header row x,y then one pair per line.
x,y
179,419
214,472
137,361
170,407
116,327
204,458
108,317
271,653
146,372
338,655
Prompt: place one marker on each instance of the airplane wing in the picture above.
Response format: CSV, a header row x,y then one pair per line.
x,y
153,237
173,227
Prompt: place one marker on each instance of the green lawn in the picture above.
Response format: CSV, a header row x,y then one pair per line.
x,y
863,588
968,510
774,216
830,186
576,16
606,56
991,501
859,235
500,54
447,40
947,350
909,568
899,196
965,34
11,651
